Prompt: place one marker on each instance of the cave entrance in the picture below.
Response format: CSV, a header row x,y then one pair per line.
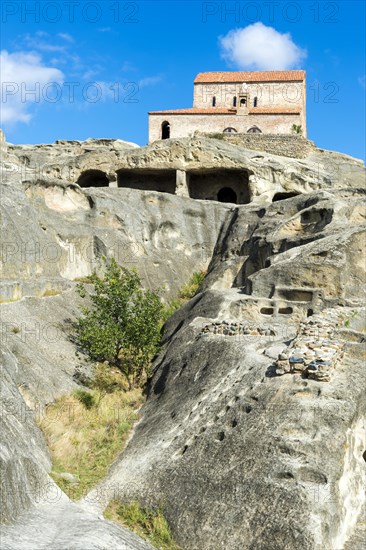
x,y
226,185
165,130
162,181
226,194
284,196
93,178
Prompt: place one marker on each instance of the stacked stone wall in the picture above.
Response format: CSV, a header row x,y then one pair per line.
x,y
293,146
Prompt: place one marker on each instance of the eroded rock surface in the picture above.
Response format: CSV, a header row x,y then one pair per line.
x,y
244,458
35,513
241,453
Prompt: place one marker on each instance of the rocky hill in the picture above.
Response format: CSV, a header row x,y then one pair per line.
x,y
252,435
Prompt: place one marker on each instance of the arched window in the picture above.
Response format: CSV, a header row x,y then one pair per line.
x,y
234,101
230,130
254,130
214,101
165,130
255,102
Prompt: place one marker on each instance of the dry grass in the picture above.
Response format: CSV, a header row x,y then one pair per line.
x,y
84,280
85,442
50,292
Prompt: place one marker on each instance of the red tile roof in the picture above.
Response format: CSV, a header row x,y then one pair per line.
x,y
275,110
252,76
196,111
224,111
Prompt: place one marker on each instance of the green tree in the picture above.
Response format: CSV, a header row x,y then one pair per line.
x,y
123,324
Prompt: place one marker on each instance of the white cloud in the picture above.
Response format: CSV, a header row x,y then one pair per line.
x,y
258,47
127,66
90,74
149,81
23,72
36,43
104,91
65,36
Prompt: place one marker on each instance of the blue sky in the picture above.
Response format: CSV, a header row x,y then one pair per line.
x,y
97,68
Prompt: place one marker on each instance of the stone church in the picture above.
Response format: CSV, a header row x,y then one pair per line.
x,y
268,102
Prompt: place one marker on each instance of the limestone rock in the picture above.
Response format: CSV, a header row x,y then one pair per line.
x,y
241,457
34,511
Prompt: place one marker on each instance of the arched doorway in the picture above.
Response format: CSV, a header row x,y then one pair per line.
x,y
93,178
165,130
230,130
226,194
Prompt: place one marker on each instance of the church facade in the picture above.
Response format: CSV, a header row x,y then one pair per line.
x,y
268,102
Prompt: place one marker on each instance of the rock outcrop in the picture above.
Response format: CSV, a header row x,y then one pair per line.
x,y
54,233
35,513
284,262
252,433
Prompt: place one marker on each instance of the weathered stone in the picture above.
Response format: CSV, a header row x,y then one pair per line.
x,y
233,452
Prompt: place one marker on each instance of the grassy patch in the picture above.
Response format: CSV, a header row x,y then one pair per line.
x,y
217,136
191,288
150,525
85,440
187,292
85,279
50,292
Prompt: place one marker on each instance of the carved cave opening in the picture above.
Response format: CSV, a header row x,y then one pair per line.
x,y
220,185
93,178
148,180
284,196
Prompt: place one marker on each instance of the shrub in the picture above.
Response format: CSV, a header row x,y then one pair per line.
x,y
123,325
296,128
85,398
